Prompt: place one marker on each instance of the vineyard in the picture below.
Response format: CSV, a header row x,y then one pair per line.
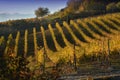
x,y
92,35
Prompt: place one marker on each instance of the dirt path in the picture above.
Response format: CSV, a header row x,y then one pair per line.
x,y
100,76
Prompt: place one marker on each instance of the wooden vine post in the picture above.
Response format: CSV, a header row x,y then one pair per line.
x,y
108,51
44,57
75,58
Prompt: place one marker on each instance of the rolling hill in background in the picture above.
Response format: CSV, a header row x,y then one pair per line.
x,y
8,16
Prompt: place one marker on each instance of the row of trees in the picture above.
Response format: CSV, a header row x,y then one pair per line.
x,y
91,6
84,5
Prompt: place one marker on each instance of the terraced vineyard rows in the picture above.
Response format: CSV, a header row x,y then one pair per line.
x,y
57,46
88,34
67,43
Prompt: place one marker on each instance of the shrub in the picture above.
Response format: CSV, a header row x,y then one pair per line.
x,y
112,8
118,5
95,7
14,68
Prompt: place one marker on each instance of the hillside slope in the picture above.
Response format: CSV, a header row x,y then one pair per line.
x,y
87,34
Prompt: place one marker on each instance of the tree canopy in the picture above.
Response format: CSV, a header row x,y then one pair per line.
x,y
74,4
99,5
41,11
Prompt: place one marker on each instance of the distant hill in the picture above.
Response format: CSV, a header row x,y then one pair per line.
x,y
7,16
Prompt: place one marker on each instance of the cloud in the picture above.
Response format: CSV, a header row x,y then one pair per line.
x,y
7,16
